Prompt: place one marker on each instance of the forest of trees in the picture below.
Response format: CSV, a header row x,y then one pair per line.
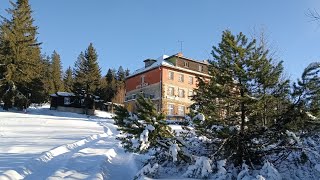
x,y
28,76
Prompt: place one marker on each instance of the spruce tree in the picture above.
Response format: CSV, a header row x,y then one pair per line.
x,y
20,52
245,87
121,74
110,76
46,76
127,73
56,70
68,80
110,89
87,72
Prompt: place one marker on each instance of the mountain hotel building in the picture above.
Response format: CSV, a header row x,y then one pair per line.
x,y
168,81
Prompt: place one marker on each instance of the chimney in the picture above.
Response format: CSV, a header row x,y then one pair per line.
x,y
149,62
179,54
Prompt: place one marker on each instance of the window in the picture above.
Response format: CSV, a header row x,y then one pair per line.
x,y
170,91
190,80
190,94
181,93
67,100
181,78
142,79
181,110
170,109
171,75
200,68
186,64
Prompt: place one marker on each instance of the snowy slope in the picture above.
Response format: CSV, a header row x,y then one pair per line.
x,y
45,144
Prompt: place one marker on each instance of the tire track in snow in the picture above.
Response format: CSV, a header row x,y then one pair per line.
x,y
43,164
97,157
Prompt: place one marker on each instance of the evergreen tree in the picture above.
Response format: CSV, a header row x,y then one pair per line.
x,y
145,117
245,86
68,80
79,71
20,52
308,88
110,76
121,74
127,73
110,89
46,80
145,129
119,92
56,70
305,111
3,62
87,72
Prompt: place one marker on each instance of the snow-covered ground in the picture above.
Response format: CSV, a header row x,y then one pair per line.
x,y
47,144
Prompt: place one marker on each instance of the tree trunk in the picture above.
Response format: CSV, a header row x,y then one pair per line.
x,y
243,111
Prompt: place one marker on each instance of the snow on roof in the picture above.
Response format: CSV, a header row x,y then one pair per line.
x,y
163,57
160,62
65,94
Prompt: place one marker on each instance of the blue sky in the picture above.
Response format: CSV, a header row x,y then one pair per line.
x,y
125,32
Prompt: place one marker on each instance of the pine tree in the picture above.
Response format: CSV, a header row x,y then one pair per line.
x,y
145,117
20,52
304,113
87,72
245,86
145,129
56,70
68,80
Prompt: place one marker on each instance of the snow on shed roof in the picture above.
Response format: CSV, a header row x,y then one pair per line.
x,y
65,94
62,94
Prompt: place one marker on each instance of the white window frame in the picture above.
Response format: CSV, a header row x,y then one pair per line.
x,y
181,78
170,91
181,110
171,75
186,64
190,80
190,94
181,93
66,101
170,109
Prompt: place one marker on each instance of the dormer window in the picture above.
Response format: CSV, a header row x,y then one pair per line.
x,y
186,64
200,68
